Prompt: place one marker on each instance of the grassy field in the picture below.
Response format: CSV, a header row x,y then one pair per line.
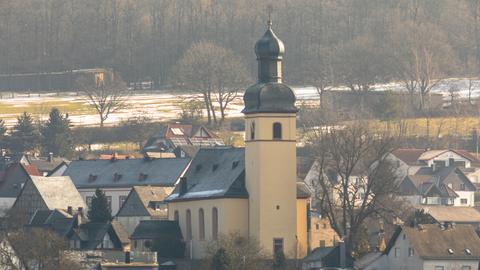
x,y
433,127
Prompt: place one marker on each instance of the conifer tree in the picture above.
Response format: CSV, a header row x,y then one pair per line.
x,y
56,135
24,136
99,210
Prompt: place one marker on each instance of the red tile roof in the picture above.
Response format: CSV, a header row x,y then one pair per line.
x,y
31,170
408,155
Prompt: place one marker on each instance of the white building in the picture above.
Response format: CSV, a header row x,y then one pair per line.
x,y
117,177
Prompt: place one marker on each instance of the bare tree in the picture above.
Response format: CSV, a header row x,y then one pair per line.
x,y
355,177
214,72
106,95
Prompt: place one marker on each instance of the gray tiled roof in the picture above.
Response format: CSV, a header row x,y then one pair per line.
x,y
58,192
154,229
159,172
213,173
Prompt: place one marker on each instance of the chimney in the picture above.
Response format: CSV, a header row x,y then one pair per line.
x,y
183,186
343,254
127,257
70,210
50,157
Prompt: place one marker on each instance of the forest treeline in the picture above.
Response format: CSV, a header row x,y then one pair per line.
x,y
351,42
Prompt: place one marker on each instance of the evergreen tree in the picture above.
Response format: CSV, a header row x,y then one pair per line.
x,y
24,136
220,260
99,210
56,135
279,261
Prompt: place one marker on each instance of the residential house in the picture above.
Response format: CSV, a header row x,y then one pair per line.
x,y
321,233
117,177
409,160
143,203
438,186
47,193
430,246
12,180
460,215
148,231
46,165
173,136
80,233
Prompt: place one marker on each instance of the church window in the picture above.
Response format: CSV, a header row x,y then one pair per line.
x,y
214,223
277,131
252,131
176,216
277,245
189,224
201,224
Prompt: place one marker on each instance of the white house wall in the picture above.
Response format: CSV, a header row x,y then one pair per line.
x,y
450,264
469,195
402,262
115,193
447,156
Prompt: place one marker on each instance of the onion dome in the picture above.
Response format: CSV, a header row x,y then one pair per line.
x,y
270,94
269,46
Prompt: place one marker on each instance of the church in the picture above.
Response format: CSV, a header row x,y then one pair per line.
x,y
252,191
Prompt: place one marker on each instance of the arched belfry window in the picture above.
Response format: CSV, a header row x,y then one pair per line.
x,y
252,130
277,131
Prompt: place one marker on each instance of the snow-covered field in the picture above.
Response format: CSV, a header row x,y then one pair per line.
x,y
164,106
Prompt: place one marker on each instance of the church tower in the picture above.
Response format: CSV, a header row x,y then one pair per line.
x,y
270,151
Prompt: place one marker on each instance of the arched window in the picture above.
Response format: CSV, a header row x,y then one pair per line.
x,y
215,223
188,220
201,224
176,216
252,131
277,131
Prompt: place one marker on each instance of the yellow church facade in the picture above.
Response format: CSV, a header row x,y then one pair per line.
x,y
252,191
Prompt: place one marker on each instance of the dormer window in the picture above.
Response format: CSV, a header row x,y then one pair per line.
x,y
117,177
277,131
198,167
235,164
214,167
92,178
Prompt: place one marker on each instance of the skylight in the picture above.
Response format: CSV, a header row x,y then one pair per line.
x,y
450,251
177,131
468,251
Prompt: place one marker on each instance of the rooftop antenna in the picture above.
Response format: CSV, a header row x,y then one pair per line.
x,y
269,11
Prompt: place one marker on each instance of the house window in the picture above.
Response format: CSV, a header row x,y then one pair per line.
x,y
214,223
121,200
252,131
322,243
277,245
176,216
277,131
317,227
438,267
109,202
462,186
397,252
411,252
463,201
189,224
201,224
88,200
466,267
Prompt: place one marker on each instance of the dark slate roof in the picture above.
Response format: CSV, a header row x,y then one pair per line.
x,y
92,234
159,172
214,173
430,241
329,256
154,229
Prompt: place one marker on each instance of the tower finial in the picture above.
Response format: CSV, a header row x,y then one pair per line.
x,y
269,11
